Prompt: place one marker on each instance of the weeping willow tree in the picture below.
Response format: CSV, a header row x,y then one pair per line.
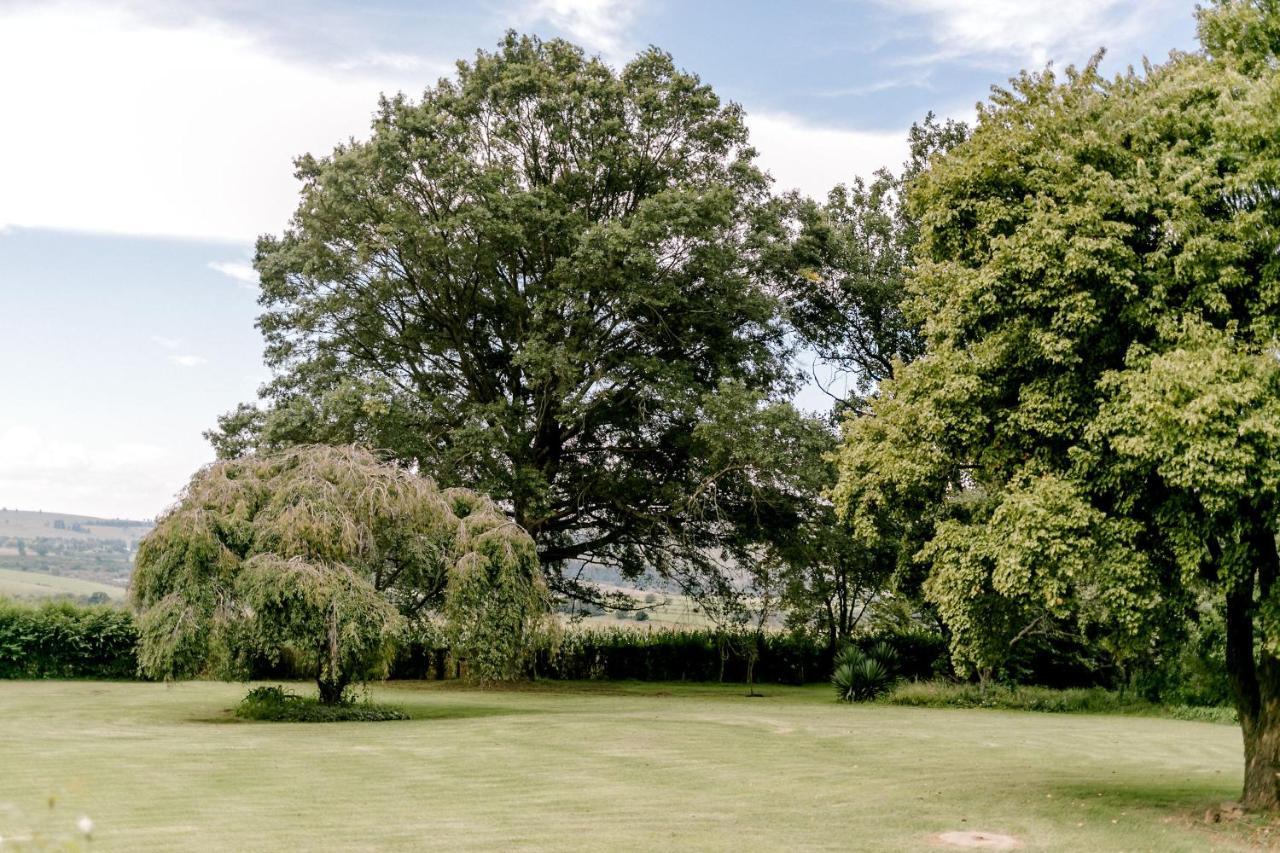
x,y
325,553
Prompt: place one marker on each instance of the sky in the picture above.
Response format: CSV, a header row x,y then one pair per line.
x,y
144,145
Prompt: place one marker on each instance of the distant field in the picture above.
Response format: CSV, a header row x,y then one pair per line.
x,y
26,524
598,766
74,546
662,609
34,585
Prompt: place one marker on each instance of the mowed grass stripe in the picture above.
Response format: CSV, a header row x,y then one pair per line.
x,y
161,767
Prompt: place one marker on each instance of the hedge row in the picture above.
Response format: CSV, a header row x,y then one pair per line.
x,y
66,640
615,654
703,655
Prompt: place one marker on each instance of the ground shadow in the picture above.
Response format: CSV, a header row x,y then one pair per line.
x,y
415,712
1195,804
1163,795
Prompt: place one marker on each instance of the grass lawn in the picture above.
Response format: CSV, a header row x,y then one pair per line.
x,y
33,585
598,767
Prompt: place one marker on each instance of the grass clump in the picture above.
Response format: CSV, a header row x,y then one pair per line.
x,y
1090,700
275,704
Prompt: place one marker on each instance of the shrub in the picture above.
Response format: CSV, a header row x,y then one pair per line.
x,y
275,704
670,654
1078,700
863,675
66,640
642,616
916,654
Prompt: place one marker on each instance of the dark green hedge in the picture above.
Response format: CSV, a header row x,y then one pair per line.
x,y
66,640
702,655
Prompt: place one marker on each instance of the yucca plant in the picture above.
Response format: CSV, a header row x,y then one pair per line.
x,y
863,675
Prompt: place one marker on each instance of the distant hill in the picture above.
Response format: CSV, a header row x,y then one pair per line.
x,y
70,546
60,525
35,585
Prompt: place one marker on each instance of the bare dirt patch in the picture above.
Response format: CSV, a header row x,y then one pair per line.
x,y
979,840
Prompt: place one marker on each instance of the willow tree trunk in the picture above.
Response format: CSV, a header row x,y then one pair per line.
x,y
330,677
1255,675
331,690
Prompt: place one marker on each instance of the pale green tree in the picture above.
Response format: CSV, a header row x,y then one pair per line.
x,y
325,553
1093,430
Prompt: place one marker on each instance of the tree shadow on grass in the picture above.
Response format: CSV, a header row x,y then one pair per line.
x,y
415,712
1161,795
1194,804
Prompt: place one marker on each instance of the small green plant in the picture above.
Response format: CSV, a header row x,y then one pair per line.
x,y
860,676
275,704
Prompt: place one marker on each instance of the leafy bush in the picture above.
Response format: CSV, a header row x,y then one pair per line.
x,y
861,675
275,704
1090,700
679,655
66,640
1191,671
915,654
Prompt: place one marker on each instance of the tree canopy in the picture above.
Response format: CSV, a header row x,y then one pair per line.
x,y
533,281
1092,430
843,266
325,552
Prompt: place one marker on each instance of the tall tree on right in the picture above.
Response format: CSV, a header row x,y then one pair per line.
x,y
1092,432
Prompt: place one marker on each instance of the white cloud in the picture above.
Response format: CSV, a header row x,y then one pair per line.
x,y
191,130
167,343
188,360
405,62
131,478
1034,31
125,125
243,273
600,25
813,159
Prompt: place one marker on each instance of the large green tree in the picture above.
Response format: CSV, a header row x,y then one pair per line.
x,y
533,281
325,552
1093,430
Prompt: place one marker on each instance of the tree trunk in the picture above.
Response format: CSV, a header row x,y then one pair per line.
x,y
331,690
330,678
1262,760
1255,675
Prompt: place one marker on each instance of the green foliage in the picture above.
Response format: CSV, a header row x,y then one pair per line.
x,y
1094,700
535,281
65,640
1095,409
861,675
497,599
319,554
275,704
679,655
706,655
1093,430
1191,672
845,267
